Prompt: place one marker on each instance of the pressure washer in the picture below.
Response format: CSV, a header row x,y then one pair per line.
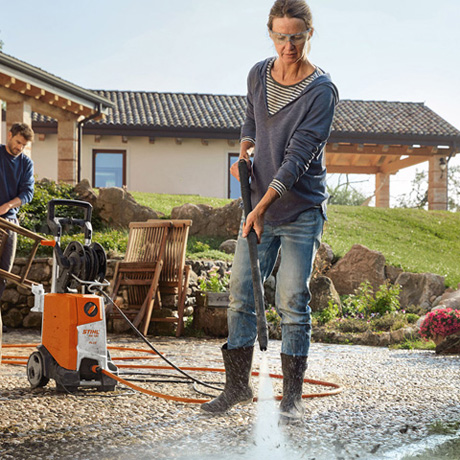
x,y
73,349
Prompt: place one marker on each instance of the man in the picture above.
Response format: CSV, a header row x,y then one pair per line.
x,y
16,188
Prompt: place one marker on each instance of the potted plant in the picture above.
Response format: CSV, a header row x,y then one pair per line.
x,y
212,302
439,324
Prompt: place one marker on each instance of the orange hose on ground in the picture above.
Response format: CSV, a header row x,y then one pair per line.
x,y
15,360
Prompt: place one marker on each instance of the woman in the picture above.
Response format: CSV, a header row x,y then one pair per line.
x,y
290,107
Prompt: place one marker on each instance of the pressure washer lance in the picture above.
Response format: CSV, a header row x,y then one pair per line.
x,y
262,331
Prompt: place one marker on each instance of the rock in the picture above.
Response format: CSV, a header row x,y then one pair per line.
x,y
10,296
418,288
270,290
450,300
323,259
33,320
39,272
392,273
360,264
12,318
85,192
209,221
117,207
450,345
322,290
228,246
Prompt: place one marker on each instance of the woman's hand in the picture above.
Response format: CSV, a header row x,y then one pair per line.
x,y
234,169
255,221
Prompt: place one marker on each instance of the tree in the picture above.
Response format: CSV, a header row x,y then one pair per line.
x,y
418,196
344,193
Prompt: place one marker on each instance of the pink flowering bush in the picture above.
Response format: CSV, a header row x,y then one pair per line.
x,y
442,322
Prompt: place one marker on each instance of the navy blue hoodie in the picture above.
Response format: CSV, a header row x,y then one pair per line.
x,y
290,145
16,179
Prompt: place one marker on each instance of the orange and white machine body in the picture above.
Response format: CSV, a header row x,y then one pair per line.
x,y
73,351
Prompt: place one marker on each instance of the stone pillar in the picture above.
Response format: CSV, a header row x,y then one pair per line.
x,y
19,112
437,185
382,190
67,150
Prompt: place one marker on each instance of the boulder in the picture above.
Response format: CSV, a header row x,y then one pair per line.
x,y
392,273
117,207
450,345
85,192
228,246
358,265
323,259
450,300
419,288
209,221
322,290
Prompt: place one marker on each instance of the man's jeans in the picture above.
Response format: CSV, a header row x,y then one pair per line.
x,y
299,241
9,251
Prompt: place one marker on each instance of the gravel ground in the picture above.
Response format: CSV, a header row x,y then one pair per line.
x,y
390,398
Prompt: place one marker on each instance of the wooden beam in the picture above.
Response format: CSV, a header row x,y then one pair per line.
x,y
343,169
395,166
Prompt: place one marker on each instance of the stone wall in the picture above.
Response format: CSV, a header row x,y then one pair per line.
x,y
17,301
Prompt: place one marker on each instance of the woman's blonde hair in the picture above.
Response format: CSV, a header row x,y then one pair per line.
x,y
291,9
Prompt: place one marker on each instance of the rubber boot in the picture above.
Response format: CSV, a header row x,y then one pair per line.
x,y
237,390
292,407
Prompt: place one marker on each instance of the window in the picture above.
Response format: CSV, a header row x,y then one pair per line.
x,y
109,168
234,189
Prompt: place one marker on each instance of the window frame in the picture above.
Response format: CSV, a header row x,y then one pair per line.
x,y
122,152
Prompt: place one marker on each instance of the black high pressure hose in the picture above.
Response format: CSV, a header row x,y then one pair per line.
x,y
149,344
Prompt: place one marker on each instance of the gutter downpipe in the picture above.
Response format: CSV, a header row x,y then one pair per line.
x,y
80,138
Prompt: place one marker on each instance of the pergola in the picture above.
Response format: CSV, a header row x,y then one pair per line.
x,y
382,138
26,89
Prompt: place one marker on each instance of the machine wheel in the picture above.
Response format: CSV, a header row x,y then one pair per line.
x,y
36,370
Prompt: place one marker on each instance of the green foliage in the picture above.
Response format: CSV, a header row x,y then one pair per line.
x,y
206,248
345,196
33,215
414,344
327,314
214,281
412,318
418,195
351,325
272,316
364,304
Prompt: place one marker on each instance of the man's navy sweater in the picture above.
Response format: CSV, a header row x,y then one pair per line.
x,y
290,145
16,179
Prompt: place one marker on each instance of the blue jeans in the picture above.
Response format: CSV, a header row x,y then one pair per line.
x,y
8,254
298,241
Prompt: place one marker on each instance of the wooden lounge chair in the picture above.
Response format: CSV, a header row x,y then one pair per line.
x,y
140,271
22,279
174,277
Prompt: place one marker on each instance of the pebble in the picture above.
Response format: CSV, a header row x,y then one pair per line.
x,y
389,400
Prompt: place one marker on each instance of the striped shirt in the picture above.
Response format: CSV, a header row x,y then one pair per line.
x,y
278,96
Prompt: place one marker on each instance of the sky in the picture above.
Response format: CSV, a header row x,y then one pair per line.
x,y
393,50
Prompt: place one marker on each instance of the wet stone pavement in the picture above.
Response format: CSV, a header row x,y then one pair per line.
x,y
389,399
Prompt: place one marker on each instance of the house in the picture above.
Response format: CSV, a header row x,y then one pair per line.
x,y
184,143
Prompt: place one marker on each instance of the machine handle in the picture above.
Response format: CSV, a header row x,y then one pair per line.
x,y
55,223
262,331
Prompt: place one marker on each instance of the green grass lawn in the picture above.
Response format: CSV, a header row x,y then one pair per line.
x,y
416,240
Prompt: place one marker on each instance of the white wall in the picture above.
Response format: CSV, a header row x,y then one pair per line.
x,y
162,167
